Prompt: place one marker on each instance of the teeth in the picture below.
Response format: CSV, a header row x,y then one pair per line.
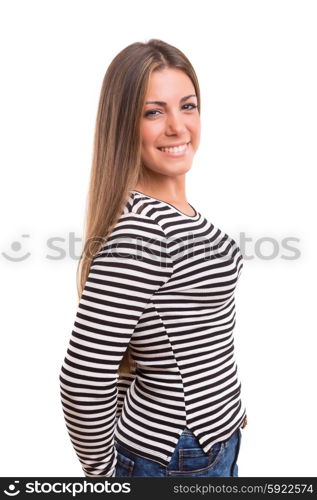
x,y
174,149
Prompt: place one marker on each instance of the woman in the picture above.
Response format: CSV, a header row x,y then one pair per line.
x,y
149,383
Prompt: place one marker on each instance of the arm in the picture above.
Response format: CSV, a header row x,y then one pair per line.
x,y
123,385
122,278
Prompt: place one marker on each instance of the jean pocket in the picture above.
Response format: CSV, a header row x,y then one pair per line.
x,y
124,466
234,467
193,460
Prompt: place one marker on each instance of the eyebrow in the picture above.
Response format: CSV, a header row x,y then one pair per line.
x,y
162,103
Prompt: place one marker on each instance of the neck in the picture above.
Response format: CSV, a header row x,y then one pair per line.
x,y
169,191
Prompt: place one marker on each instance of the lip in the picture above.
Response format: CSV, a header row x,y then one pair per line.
x,y
174,145
179,154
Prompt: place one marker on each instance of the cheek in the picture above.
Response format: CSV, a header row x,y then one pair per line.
x,y
196,129
198,132
149,134
196,123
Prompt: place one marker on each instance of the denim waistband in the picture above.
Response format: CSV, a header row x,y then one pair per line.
x,y
187,432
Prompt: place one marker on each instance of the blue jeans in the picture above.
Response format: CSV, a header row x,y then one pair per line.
x,y
188,459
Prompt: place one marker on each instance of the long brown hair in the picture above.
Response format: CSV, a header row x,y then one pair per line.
x,y
116,162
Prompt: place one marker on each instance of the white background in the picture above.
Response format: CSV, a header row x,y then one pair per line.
x,y
253,177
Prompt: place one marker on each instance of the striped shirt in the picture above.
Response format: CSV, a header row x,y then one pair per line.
x,y
163,283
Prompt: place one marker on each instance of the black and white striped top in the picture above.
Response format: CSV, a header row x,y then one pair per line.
x,y
163,283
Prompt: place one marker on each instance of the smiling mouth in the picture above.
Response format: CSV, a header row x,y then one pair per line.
x,y
175,149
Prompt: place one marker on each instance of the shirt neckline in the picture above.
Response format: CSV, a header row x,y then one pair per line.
x,y
196,215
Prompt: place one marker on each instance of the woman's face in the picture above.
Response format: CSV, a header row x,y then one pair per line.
x,y
172,120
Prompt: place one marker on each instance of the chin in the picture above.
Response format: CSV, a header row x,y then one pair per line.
x,y
177,170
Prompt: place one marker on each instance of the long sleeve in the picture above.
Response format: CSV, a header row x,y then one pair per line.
x,y
123,385
123,276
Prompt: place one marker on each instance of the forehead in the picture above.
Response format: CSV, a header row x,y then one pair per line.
x,y
169,83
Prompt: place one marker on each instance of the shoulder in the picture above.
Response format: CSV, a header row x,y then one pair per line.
x,y
137,227
139,216
140,204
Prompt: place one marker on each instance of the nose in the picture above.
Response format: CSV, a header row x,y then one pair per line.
x,y
175,124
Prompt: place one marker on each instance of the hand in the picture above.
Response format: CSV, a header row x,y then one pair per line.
x,y
244,423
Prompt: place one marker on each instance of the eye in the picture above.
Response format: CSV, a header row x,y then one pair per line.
x,y
190,104
151,113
